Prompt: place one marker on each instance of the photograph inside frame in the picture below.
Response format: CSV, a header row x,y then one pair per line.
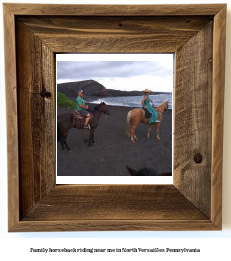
x,y
114,118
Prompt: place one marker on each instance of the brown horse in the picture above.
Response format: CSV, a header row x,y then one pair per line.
x,y
66,121
137,115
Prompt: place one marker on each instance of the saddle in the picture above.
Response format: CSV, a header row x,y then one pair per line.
x,y
78,117
146,113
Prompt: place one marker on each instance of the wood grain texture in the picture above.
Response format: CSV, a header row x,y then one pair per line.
x,y
193,113
36,105
115,34
191,203
108,207
218,115
12,121
108,202
114,10
114,225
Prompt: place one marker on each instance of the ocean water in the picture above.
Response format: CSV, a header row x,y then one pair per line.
x,y
135,101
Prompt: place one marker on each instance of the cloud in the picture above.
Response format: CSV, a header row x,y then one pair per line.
x,y
125,75
154,83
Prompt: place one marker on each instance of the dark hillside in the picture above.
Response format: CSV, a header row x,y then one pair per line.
x,y
93,89
90,88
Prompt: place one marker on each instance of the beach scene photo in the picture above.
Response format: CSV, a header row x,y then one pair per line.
x,y
125,98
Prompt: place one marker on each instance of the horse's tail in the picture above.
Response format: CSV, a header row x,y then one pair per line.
x,y
128,125
59,133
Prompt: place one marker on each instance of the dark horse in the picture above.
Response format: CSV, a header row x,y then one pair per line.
x,y
146,172
66,121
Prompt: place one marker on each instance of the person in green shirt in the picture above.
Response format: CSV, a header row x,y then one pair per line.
x,y
82,108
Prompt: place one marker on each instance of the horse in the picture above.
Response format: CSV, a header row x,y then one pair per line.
x,y
67,121
146,172
137,115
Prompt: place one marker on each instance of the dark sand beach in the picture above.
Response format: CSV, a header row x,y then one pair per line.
x,y
113,149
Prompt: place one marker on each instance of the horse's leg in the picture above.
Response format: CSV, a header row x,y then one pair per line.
x,y
150,127
91,137
61,141
133,133
157,130
64,140
60,137
68,148
62,144
135,119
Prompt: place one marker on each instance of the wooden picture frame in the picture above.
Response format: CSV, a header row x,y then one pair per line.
x,y
33,34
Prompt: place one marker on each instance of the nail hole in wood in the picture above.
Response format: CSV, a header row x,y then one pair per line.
x,y
120,24
198,158
45,94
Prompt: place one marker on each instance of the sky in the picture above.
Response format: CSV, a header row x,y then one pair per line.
x,y
118,72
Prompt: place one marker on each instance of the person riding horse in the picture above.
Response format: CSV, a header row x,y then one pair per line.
x,y
146,105
82,108
66,121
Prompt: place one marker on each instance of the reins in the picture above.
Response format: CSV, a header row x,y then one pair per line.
x,y
160,113
102,108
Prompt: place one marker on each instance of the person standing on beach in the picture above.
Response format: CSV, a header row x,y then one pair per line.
x,y
82,108
146,105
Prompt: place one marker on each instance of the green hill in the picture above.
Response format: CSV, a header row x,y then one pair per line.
x,y
64,102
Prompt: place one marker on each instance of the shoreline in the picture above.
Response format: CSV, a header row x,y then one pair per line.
x,y
89,98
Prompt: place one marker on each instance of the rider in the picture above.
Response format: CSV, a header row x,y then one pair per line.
x,y
146,105
82,108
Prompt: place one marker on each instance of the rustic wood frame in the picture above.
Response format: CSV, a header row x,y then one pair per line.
x,y
33,34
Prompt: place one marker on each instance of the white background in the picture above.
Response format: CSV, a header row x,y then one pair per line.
x,y
213,245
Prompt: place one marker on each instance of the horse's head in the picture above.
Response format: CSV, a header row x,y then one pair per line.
x,y
104,108
166,103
